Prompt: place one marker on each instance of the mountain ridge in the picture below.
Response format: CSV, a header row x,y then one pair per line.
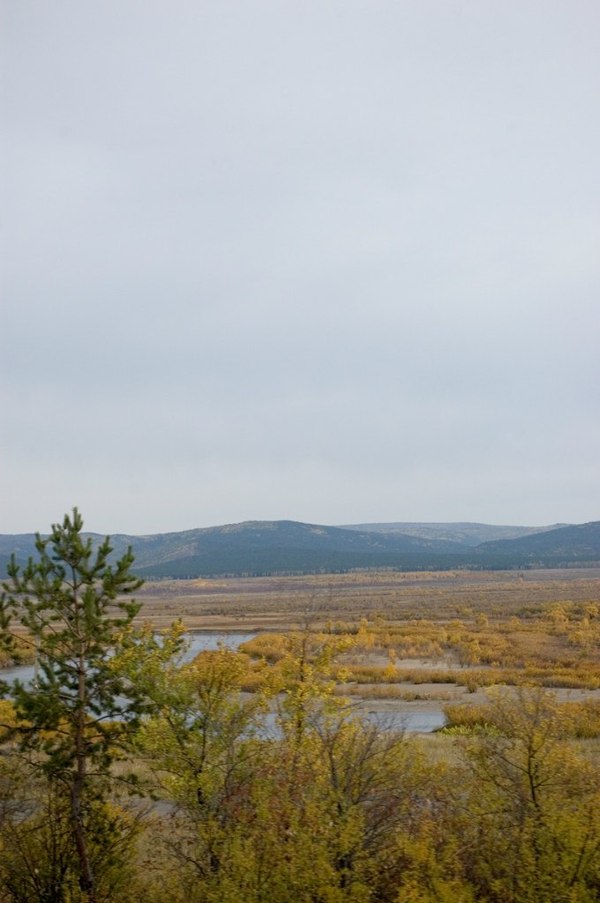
x,y
285,546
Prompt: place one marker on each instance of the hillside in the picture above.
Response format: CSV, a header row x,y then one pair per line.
x,y
259,547
284,547
578,543
466,533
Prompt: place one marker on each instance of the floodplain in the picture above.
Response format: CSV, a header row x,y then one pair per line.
x,y
259,774
423,641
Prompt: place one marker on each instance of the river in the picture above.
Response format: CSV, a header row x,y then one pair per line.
x,y
198,641
413,721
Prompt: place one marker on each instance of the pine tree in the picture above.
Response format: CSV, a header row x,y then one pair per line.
x,y
74,717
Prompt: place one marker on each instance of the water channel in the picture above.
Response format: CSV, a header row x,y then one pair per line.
x,y
415,721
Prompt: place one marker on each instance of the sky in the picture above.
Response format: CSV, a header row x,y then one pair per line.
x,y
334,261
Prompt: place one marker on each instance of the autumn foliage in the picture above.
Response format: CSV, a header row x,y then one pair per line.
x,y
251,776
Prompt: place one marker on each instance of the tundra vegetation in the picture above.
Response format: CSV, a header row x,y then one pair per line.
x,y
249,776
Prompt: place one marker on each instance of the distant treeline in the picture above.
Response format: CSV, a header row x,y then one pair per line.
x,y
289,563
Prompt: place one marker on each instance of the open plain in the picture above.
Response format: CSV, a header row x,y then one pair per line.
x,y
260,603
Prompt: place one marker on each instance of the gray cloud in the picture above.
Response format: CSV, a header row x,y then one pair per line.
x,y
327,261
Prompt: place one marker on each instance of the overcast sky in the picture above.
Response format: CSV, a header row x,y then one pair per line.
x,y
327,260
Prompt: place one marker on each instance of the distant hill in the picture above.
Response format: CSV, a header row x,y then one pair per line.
x,y
466,533
579,543
290,547
259,547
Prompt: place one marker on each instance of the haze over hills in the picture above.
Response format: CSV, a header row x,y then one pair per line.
x,y
284,547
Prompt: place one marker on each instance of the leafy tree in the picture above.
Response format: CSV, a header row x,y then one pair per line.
x,y
73,719
533,805
305,680
201,749
38,859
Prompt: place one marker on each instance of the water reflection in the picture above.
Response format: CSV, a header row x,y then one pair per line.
x,y
205,641
423,722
